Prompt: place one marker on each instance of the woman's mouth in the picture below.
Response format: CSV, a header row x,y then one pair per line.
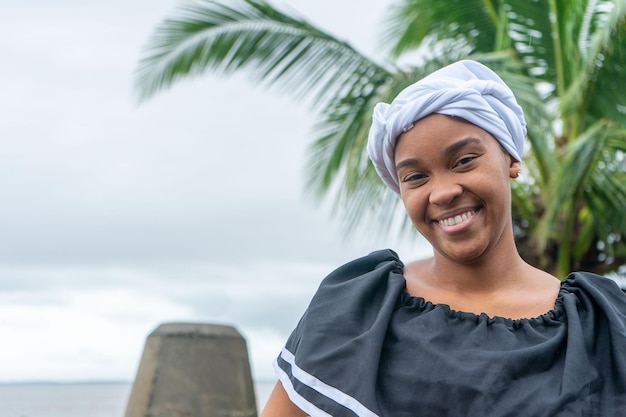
x,y
459,218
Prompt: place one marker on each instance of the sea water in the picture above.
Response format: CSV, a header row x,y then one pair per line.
x,y
79,400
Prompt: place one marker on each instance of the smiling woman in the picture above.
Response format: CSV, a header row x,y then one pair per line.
x,y
468,179
474,329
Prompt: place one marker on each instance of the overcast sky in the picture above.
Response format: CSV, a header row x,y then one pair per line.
x,y
116,217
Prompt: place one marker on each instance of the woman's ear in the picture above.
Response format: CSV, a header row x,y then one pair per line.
x,y
515,168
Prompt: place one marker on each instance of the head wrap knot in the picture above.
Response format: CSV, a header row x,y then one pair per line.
x,y
465,89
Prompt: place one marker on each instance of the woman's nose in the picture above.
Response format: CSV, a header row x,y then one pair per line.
x,y
444,191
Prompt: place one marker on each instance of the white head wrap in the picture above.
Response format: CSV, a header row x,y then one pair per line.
x,y
466,89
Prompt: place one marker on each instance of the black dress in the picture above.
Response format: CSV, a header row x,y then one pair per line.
x,y
364,347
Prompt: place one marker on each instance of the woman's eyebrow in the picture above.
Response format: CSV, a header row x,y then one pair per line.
x,y
450,149
460,144
405,162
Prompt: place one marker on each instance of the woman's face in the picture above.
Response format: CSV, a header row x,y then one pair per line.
x,y
454,183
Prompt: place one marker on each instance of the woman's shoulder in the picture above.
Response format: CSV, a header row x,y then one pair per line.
x,y
355,297
346,321
590,280
380,261
601,291
377,271
365,283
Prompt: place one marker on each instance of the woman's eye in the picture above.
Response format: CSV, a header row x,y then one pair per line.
x,y
413,177
466,160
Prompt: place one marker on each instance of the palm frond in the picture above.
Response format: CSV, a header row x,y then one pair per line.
x,y
606,191
571,178
601,55
530,29
410,22
210,36
607,98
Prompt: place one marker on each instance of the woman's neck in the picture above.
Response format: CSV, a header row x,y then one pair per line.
x,y
510,288
484,275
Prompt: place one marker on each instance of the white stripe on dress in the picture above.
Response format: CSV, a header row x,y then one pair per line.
x,y
309,408
328,391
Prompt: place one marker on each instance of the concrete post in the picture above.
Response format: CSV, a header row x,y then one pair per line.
x,y
193,370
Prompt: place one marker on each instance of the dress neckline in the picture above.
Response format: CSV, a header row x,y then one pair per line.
x,y
422,305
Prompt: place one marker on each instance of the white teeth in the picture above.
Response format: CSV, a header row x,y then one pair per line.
x,y
456,219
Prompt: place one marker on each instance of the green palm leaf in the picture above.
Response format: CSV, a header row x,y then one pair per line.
x,y
580,160
209,36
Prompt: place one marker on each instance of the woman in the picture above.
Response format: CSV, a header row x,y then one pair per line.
x,y
473,330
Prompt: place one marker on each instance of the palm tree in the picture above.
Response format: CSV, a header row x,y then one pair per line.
x,y
564,59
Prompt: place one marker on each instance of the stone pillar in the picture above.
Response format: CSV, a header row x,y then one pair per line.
x,y
193,370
